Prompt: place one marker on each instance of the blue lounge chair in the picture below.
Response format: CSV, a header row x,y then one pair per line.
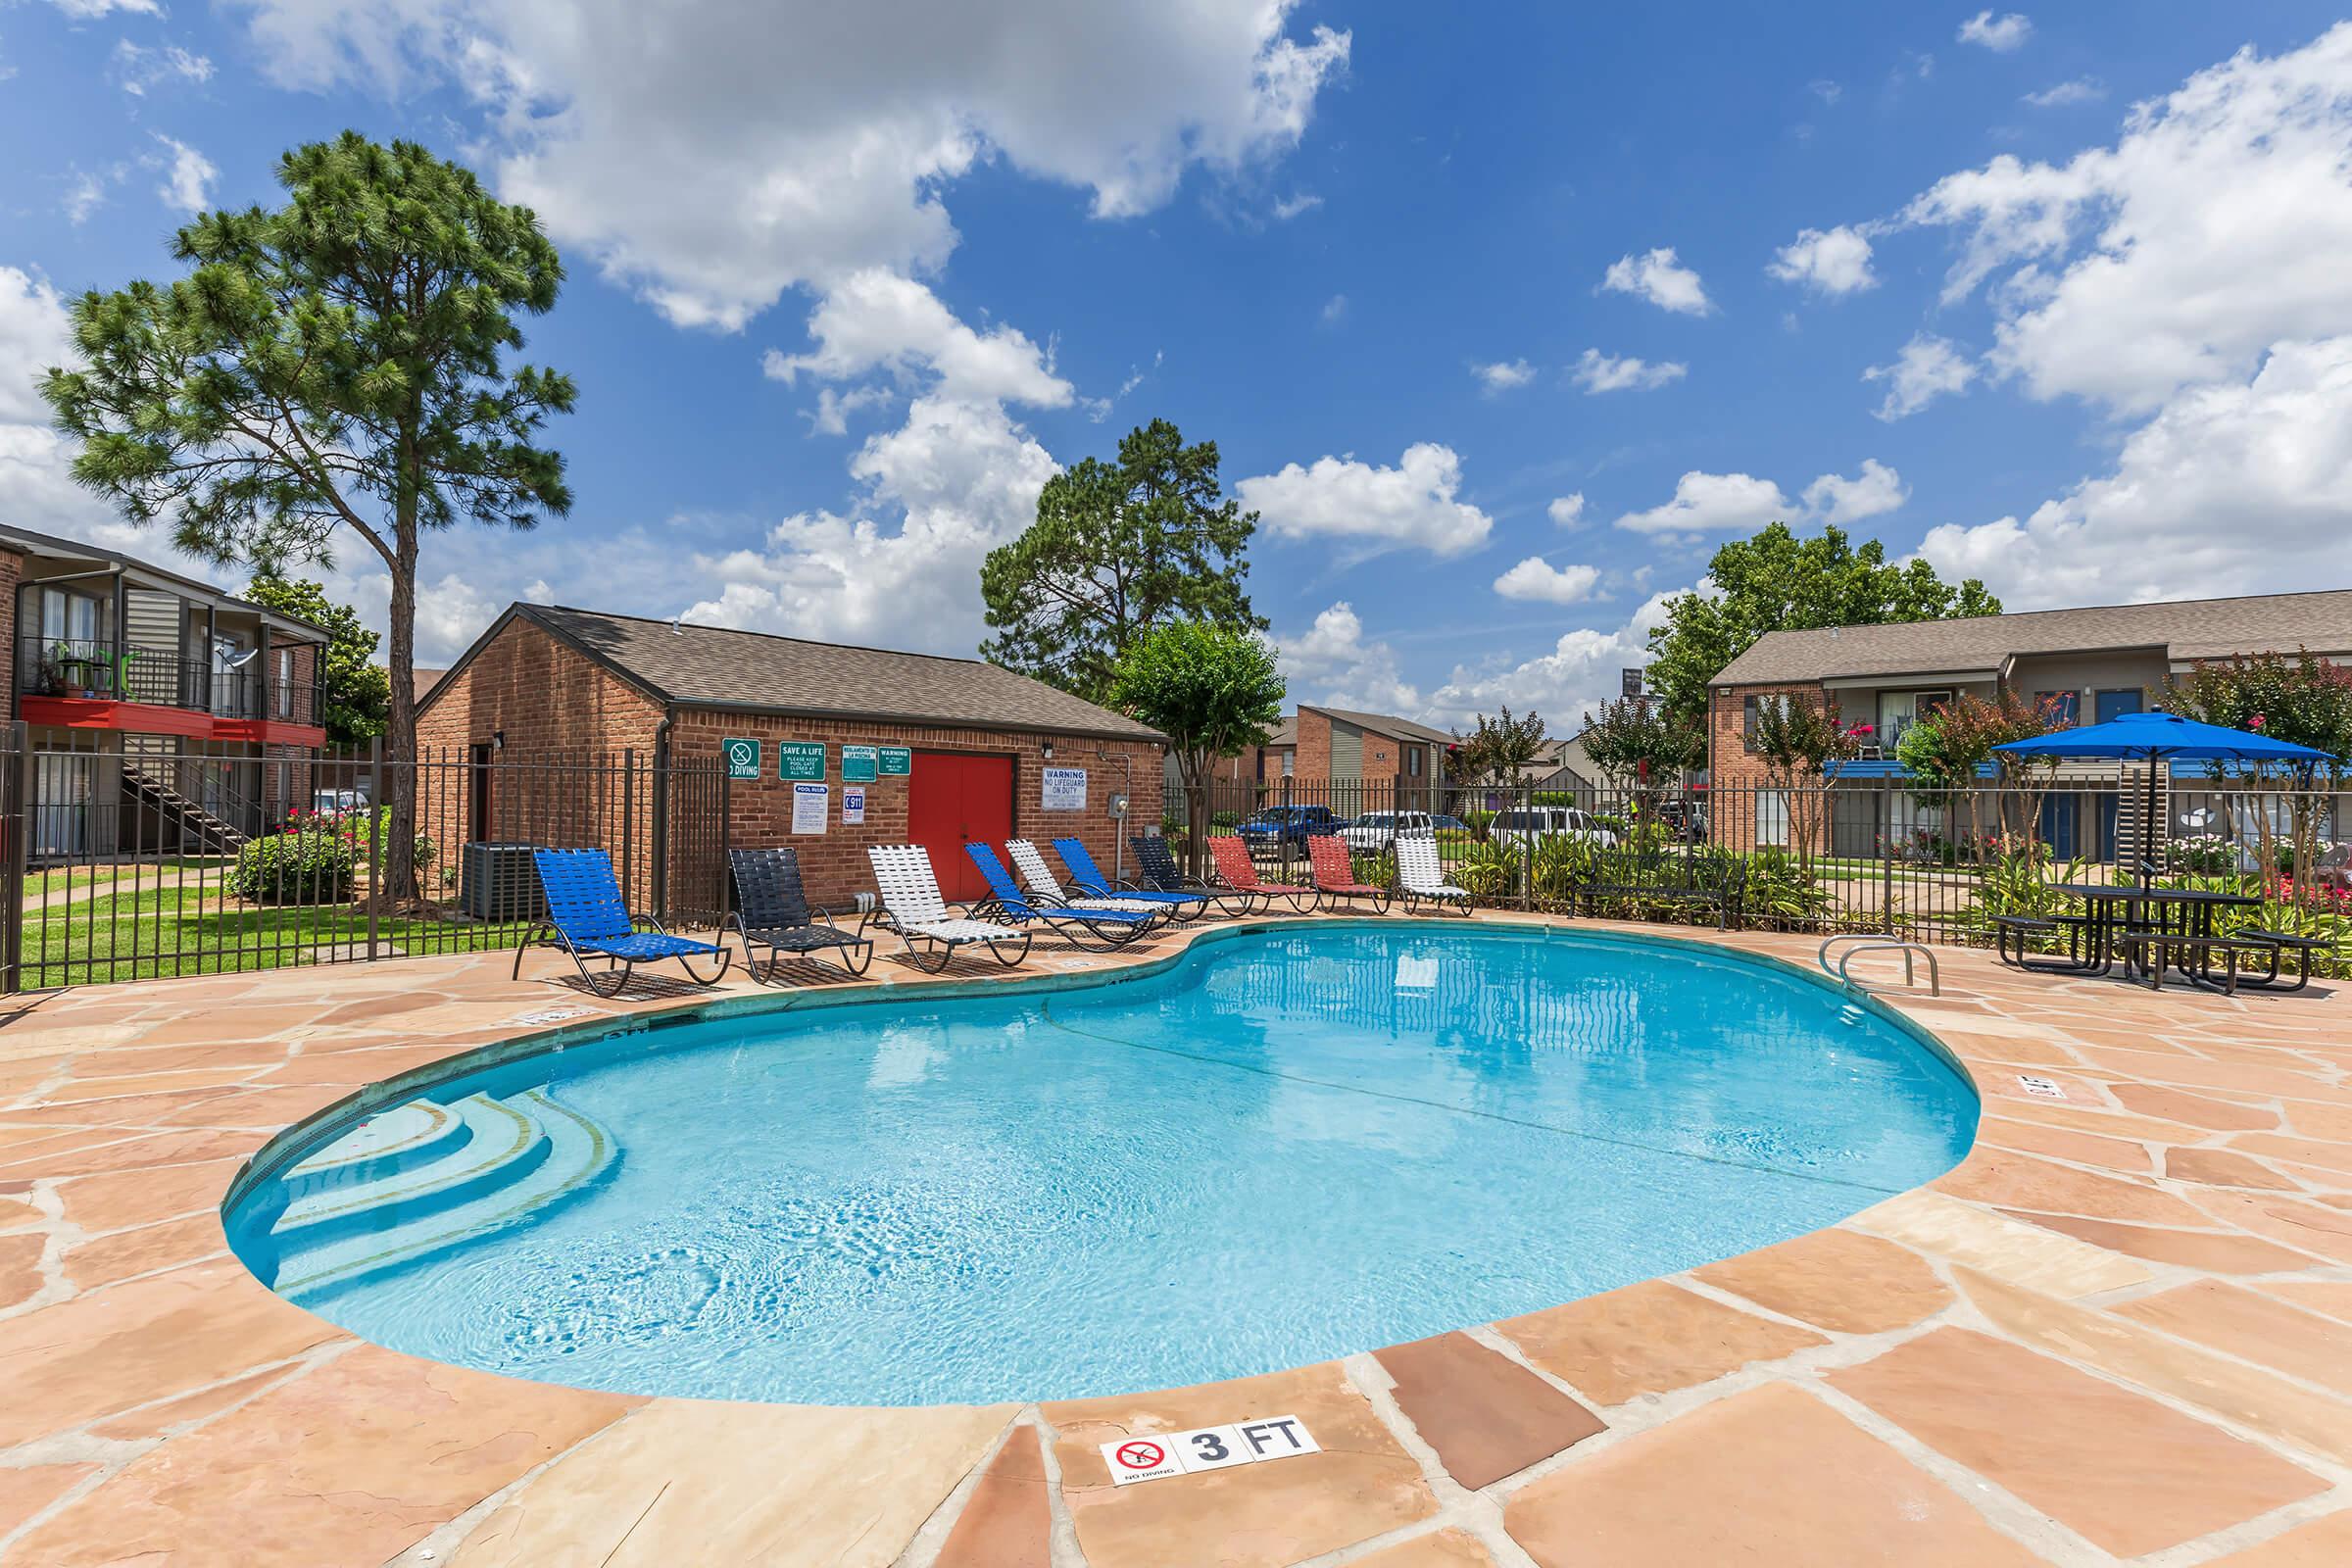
x,y
587,918
1088,878
1008,903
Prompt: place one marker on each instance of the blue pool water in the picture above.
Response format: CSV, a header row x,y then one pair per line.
x,y
1290,1147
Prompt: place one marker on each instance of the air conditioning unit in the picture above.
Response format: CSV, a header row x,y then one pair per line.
x,y
499,882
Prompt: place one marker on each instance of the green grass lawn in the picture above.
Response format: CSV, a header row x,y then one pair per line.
x,y
165,932
57,879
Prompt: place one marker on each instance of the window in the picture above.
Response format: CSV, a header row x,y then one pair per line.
x,y
1753,707
1772,819
285,683
1288,758
1412,761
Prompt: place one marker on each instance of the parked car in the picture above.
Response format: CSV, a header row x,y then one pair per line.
x,y
1377,830
1546,822
1687,820
330,802
1289,825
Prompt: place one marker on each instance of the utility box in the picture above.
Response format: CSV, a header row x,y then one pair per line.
x,y
499,882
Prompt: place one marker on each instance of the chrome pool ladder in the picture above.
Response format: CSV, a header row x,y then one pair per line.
x,y
1880,941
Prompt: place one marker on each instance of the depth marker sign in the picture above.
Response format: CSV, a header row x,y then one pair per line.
x,y
1173,1453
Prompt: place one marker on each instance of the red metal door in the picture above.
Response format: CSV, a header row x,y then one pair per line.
x,y
952,800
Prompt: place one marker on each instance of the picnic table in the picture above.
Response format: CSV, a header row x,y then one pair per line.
x,y
2144,927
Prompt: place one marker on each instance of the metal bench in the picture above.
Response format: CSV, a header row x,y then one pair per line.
x,y
1667,879
2277,944
2013,936
2157,944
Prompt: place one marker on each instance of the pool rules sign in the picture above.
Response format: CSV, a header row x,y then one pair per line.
x,y
1182,1453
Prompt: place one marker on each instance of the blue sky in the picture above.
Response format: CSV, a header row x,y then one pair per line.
x,y
1504,319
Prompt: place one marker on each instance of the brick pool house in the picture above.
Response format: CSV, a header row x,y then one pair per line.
x,y
978,741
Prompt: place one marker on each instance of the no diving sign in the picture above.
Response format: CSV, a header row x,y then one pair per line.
x,y
1184,1453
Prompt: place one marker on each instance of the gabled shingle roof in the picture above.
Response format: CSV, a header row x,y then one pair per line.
x,y
2191,628
716,666
1403,729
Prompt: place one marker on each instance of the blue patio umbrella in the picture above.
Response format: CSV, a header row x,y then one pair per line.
x,y
2154,738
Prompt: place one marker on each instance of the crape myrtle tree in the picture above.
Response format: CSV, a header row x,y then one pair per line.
x,y
2305,699
1797,740
1213,690
1946,750
338,362
1499,748
1776,581
1639,744
1117,548
354,696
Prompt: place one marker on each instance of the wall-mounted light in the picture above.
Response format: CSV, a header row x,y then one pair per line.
x,y
1049,749
498,740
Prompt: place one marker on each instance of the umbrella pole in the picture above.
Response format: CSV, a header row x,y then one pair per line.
x,y
2147,829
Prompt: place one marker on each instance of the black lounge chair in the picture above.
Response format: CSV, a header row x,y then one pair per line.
x,y
1157,871
771,911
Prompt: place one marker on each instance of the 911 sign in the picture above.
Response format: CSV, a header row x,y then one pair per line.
x,y
1182,1453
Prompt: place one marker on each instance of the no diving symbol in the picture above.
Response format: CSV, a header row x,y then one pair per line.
x,y
1141,1455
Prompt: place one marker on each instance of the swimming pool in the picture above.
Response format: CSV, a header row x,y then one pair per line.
x,y
1289,1145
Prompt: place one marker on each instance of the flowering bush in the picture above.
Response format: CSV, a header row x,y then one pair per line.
x,y
302,864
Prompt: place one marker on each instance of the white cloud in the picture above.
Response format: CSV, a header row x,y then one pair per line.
x,y
2214,227
1503,376
33,336
85,193
188,176
1658,277
831,416
1574,678
1598,373
1876,489
2230,489
1828,92
1834,262
85,9
1335,310
1567,511
35,476
2080,90
1537,579
2000,35
875,321
744,147
136,69
1332,663
1291,207
1927,367
1380,509
1712,503
902,567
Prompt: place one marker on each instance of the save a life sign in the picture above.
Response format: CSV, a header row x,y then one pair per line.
x,y
1183,1453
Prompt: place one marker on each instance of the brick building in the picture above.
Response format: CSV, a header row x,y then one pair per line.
x,y
550,682
163,712
2088,664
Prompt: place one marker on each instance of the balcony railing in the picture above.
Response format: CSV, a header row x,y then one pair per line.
x,y
96,667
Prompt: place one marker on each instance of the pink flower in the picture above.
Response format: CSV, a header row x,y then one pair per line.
x,y
2255,722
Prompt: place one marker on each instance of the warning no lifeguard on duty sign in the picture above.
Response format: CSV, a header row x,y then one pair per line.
x,y
1183,1453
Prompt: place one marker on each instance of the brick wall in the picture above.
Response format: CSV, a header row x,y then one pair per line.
x,y
1313,754
1736,773
834,862
545,696
11,571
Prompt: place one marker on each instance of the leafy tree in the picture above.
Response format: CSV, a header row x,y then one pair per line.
x,y
1499,748
1776,581
1797,740
2306,699
1638,743
1211,690
1946,750
337,362
1117,549
354,695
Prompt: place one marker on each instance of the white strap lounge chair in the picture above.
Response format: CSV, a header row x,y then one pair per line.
x,y
914,907
1040,880
1420,875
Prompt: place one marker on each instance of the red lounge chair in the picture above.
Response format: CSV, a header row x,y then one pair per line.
x,y
1335,872
1236,869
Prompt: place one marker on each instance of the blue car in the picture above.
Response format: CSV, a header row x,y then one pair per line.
x,y
1289,825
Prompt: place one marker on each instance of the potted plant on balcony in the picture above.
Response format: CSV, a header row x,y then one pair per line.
x,y
66,673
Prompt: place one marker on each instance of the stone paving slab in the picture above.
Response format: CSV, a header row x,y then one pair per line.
x,y
2122,1326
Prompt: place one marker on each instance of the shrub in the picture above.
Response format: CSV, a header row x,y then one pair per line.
x,y
301,865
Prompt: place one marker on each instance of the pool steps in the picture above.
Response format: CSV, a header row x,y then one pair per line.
x,y
423,1176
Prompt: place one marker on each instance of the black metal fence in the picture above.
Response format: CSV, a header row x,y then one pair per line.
x,y
136,863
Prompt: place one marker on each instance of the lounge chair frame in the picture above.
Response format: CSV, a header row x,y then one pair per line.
x,y
588,918
1333,868
914,907
1239,872
1421,875
1105,928
1156,869
773,912
1089,879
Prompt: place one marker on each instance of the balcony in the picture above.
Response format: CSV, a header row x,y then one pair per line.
x,y
97,683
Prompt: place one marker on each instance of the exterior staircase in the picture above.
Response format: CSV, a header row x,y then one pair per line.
x,y
421,1177
212,835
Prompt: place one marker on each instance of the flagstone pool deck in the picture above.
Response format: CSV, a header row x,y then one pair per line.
x,y
2120,1331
